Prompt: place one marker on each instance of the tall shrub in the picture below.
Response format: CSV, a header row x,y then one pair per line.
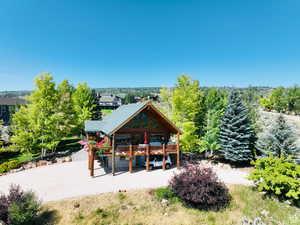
x,y
19,207
236,133
277,176
200,188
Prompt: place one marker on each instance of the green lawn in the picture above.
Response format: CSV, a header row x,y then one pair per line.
x,y
67,145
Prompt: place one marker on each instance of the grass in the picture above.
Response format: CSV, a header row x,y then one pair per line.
x,y
106,111
139,207
68,145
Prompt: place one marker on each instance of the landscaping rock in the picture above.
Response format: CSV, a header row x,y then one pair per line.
x,y
164,202
42,163
76,205
68,159
60,160
16,170
30,165
265,212
255,221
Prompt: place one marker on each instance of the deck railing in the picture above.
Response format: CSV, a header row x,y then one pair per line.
x,y
140,150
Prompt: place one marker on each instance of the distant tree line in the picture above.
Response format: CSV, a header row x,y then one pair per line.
x,y
144,91
285,100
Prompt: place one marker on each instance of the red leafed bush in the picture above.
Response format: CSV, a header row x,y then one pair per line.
x,y
200,188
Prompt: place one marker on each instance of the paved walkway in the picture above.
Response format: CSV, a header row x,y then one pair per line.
x,y
66,180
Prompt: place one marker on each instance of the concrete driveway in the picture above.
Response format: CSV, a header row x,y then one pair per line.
x,y
66,180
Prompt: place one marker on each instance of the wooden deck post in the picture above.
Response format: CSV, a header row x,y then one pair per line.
x,y
92,163
89,157
113,158
147,158
130,158
164,157
178,152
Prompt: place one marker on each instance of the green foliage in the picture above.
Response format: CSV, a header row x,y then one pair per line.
x,y
52,113
166,101
283,100
25,212
164,193
106,111
65,110
129,98
83,104
186,107
278,140
236,133
19,207
121,196
277,176
215,103
35,126
7,166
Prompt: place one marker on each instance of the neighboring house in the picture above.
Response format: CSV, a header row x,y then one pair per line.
x,y
8,106
109,101
130,135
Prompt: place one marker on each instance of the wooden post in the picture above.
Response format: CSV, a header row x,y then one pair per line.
x,y
178,152
130,158
164,157
89,157
147,158
92,163
113,158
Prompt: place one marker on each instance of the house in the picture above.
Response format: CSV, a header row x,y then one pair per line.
x,y
130,135
8,106
109,101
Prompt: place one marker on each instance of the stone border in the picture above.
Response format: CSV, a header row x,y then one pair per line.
x,y
39,163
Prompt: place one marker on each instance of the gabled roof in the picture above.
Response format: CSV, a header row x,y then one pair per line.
x,y
119,117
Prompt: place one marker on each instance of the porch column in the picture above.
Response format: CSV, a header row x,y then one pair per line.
x,y
92,163
178,151
147,158
164,157
130,158
113,156
89,157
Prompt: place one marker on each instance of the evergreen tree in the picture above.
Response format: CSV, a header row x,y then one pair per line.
x,y
236,133
278,139
129,98
97,114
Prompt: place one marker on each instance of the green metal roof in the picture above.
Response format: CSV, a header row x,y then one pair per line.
x,y
115,119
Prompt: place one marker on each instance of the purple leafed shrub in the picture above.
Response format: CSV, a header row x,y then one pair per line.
x,y
18,207
200,188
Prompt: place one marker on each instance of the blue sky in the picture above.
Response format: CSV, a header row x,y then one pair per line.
x,y
131,43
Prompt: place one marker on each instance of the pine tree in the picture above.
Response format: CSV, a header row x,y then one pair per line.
x,y
278,140
236,133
